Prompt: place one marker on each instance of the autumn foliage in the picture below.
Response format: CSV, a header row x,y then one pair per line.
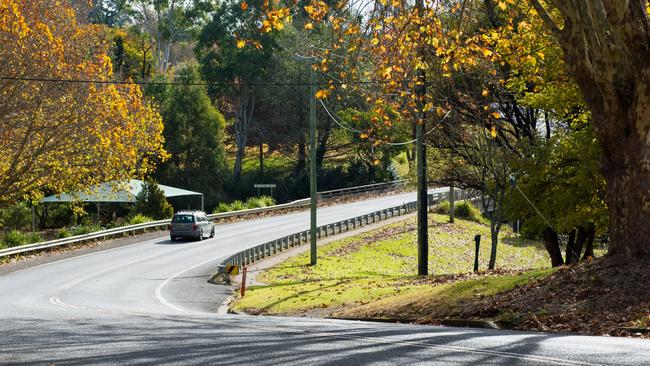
x,y
58,136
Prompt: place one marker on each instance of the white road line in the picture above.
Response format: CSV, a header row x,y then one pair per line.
x,y
164,301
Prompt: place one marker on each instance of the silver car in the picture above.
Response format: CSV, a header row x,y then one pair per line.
x,y
191,224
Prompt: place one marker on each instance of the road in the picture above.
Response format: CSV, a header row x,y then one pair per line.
x,y
149,303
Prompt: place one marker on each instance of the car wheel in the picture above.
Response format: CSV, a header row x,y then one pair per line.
x,y
212,233
200,235
172,237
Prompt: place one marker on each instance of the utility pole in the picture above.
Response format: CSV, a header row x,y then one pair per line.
x,y
423,205
312,162
313,193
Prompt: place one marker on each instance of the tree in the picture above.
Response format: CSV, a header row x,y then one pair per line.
x,y
58,136
151,202
225,60
168,22
193,135
606,46
561,179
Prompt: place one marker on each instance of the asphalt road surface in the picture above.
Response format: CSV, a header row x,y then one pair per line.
x,y
149,303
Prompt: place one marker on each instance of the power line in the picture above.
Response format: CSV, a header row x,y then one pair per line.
x,y
120,82
345,127
353,130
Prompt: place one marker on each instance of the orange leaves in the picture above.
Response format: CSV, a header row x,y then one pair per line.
x,y
274,19
241,43
317,10
244,5
322,94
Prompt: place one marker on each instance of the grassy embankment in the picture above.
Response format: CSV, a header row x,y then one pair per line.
x,y
371,273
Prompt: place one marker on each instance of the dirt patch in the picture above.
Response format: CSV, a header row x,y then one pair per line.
x,y
589,298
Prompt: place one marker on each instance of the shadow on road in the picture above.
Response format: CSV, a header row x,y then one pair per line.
x,y
272,341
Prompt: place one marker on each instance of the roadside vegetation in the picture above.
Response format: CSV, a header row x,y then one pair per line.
x,y
381,263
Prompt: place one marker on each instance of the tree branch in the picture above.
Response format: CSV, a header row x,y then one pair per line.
x,y
546,18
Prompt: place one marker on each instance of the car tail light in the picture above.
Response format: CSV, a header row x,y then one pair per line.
x,y
194,227
169,227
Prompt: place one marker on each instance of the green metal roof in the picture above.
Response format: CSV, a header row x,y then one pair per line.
x,y
115,191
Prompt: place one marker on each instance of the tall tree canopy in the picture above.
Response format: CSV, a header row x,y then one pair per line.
x,y
193,136
225,59
57,136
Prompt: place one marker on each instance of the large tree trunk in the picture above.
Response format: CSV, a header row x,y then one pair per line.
x,y
302,155
607,47
552,245
495,227
589,250
243,115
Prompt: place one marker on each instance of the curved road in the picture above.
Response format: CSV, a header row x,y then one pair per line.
x,y
149,303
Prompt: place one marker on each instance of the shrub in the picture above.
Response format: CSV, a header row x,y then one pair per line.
x,y
151,202
63,233
442,207
237,205
462,209
253,202
139,219
222,207
85,229
267,201
14,238
16,217
34,238
467,211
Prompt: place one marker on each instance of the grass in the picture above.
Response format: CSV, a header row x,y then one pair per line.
x,y
272,161
381,264
441,300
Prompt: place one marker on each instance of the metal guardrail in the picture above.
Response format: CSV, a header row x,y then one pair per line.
x,y
120,231
363,189
261,251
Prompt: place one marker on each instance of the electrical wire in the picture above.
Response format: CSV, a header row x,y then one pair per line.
x,y
353,130
345,127
119,82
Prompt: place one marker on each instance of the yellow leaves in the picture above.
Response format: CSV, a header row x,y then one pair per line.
x,y
485,92
495,115
121,134
241,43
374,41
486,52
502,5
363,135
309,26
493,132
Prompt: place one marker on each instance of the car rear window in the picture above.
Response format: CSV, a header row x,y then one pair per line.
x,y
183,218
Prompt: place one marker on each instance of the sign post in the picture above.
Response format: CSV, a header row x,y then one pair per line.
x,y
260,186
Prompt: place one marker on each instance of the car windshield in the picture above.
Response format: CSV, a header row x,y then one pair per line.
x,y
183,218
